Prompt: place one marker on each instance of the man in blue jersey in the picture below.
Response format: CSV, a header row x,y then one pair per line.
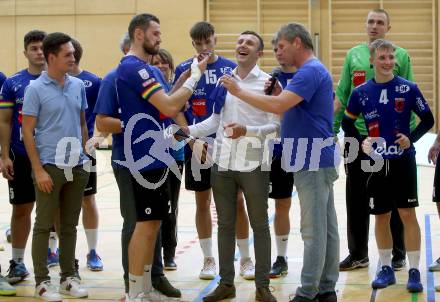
x,y
281,182
309,151
16,164
2,78
143,101
387,102
200,108
107,109
90,216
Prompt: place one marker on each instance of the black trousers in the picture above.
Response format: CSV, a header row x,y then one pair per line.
x,y
169,225
358,212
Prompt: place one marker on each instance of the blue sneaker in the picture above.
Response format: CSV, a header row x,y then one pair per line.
x,y
414,285
384,278
94,262
17,272
53,259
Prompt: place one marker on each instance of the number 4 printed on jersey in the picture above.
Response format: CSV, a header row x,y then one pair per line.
x,y
383,97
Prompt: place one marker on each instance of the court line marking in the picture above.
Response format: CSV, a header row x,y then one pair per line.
x,y
430,291
213,282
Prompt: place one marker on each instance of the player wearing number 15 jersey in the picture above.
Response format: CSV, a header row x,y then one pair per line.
x,y
199,108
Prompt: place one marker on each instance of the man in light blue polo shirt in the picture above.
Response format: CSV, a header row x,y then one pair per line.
x,y
54,108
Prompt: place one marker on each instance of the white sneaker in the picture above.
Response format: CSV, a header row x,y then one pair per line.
x,y
72,287
247,269
139,298
435,266
47,292
208,271
157,296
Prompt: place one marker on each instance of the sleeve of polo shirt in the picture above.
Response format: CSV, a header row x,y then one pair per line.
x,y
304,84
140,77
7,97
84,104
31,102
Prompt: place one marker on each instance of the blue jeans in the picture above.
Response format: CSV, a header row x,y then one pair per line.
x,y
319,231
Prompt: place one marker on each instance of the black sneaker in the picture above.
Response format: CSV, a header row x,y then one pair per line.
x,y
164,286
327,297
169,264
398,264
349,263
302,299
279,267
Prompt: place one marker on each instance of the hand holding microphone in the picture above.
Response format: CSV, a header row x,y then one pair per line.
x,y
272,87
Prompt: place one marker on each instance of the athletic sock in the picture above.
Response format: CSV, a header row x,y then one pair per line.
x,y
385,257
243,247
135,285
282,242
206,245
92,238
413,259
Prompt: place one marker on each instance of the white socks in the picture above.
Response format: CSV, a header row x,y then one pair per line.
x,y
243,247
53,242
92,238
413,259
282,242
135,285
385,257
147,285
17,255
206,245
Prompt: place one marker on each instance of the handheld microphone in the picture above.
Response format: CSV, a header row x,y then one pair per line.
x,y
274,77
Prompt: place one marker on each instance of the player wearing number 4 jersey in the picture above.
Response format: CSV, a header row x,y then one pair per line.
x,y
355,71
200,107
386,102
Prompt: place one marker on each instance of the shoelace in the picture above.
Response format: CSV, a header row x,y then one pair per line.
x,y
209,264
382,273
248,265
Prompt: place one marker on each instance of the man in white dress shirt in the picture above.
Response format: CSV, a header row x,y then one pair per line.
x,y
241,131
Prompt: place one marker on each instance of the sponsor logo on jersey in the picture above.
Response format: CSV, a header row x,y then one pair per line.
x,y
87,83
148,211
371,204
412,200
420,104
373,129
148,82
399,104
402,88
371,115
359,77
226,70
199,107
144,73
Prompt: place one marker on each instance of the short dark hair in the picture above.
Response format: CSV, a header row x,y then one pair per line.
x,y
381,11
201,31
33,36
293,30
52,43
140,21
251,32
78,51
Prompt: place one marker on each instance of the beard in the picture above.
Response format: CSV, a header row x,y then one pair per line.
x,y
150,49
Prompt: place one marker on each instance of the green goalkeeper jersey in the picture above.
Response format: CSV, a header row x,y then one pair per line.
x,y
357,70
